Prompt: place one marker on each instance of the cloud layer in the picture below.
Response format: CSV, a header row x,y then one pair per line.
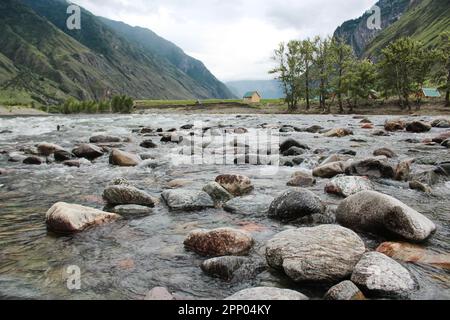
x,y
234,38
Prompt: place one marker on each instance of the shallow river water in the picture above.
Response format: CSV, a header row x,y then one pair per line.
x,y
124,259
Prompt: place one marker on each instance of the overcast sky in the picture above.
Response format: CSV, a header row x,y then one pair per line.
x,y
234,38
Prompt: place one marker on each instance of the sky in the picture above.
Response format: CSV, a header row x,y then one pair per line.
x,y
235,39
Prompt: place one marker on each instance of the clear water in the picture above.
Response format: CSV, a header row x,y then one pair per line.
x,y
123,260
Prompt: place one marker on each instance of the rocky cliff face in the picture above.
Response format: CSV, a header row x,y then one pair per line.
x,y
356,32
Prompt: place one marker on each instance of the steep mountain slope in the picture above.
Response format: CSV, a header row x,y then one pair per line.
x,y
356,32
40,56
268,89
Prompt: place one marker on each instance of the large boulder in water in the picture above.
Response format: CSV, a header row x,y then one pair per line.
x,y
123,159
219,242
236,184
418,127
294,204
289,143
376,212
345,186
88,151
267,294
217,192
254,205
126,194
67,218
183,199
379,275
324,253
441,123
371,167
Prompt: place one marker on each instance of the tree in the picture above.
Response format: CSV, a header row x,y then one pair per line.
x,y
307,56
342,59
401,68
323,66
358,81
289,69
443,58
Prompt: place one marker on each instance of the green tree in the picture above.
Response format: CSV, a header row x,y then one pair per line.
x,y
342,59
358,81
307,56
443,59
323,67
288,71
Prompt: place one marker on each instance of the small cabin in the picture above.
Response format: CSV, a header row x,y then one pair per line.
x,y
429,93
252,97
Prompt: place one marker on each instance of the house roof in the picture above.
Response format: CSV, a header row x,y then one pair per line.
x,y
250,94
431,92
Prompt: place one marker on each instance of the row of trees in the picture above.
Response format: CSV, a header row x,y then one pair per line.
x,y
328,68
118,104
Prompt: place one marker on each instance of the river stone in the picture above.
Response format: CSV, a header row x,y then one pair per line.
x,y
379,275
446,143
267,294
418,127
255,205
183,199
371,167
417,185
441,123
324,253
148,144
302,179
295,203
236,184
72,163
217,192
394,125
33,160
126,194
289,143
402,171
16,157
330,170
104,139
338,133
335,158
345,186
123,159
219,242
62,155
46,149
88,151
132,210
346,290
442,137
65,217
385,152
159,294
294,151
376,212
232,268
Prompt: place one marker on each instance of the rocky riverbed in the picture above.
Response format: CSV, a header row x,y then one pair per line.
x,y
335,207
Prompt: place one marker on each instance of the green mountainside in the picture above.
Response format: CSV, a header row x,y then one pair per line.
x,y
43,60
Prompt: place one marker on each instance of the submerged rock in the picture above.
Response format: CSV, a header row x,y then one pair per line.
x,y
442,137
345,186
182,199
376,212
294,204
232,268
132,210
417,185
267,294
302,179
123,159
159,294
219,242
379,275
65,217
345,290
371,167
148,144
338,132
104,139
324,253
33,160
446,143
88,151
236,184
441,123
385,152
418,127
72,163
255,205
217,192
126,194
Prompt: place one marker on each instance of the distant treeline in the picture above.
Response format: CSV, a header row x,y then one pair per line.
x,y
118,104
326,68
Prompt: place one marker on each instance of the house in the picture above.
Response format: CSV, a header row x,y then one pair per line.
x,y
429,93
252,97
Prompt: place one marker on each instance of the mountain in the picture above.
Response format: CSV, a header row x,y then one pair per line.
x,y
268,89
41,57
420,19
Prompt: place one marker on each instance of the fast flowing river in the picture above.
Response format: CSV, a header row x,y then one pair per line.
x,y
124,259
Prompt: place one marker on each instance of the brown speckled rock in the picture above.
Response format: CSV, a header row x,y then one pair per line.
x,y
346,290
123,159
235,184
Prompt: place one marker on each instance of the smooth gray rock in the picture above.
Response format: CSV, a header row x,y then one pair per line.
x,y
126,194
255,205
132,210
88,151
103,139
376,212
267,294
295,203
346,186
345,290
380,275
294,151
289,143
217,192
324,253
371,167
182,199
232,268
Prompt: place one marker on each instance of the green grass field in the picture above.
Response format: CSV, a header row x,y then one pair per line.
x,y
159,103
